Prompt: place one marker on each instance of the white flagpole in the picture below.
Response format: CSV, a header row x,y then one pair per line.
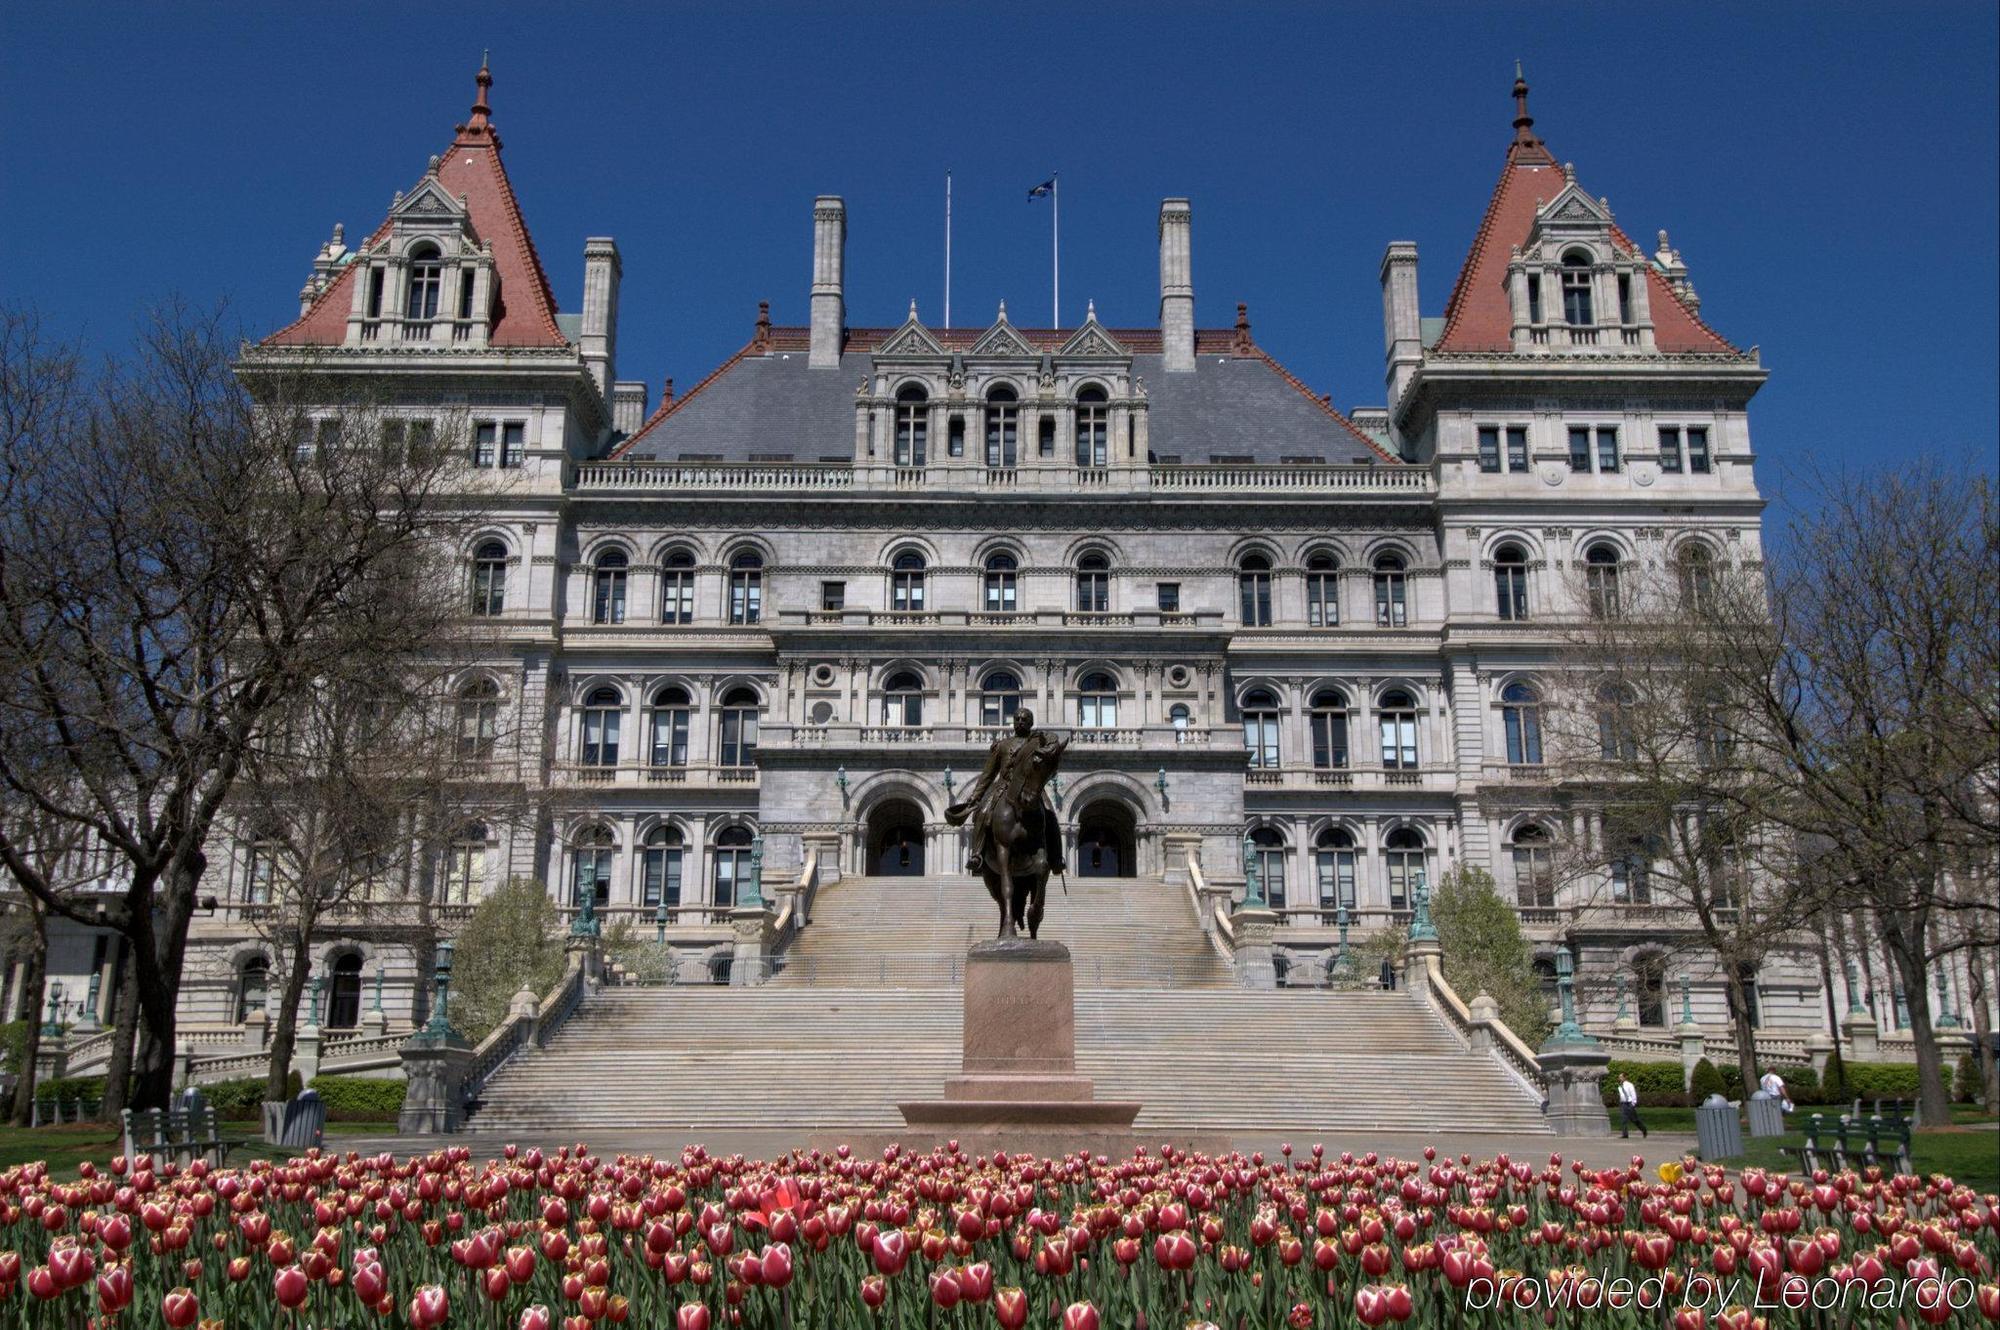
x,y
947,251
1055,244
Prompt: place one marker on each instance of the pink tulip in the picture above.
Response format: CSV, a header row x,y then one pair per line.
x,y
429,1307
1010,1308
114,1288
536,1317
691,1316
1079,1316
179,1309
290,1285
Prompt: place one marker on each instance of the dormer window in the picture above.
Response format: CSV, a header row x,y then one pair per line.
x,y
426,281
1003,428
913,422
1093,429
1576,279
1534,297
1625,298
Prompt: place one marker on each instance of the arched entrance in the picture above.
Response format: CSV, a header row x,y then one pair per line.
x,y
343,1011
896,840
1106,841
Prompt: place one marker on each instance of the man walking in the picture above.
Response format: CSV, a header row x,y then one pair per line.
x,y
1628,1108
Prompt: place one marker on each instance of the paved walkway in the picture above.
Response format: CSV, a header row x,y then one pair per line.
x,y
1597,1152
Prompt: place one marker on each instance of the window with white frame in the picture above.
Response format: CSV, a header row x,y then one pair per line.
x,y
672,711
489,580
677,588
1322,590
1097,701
1327,720
1093,428
1510,583
906,583
607,593
903,699
746,587
1002,574
1253,585
913,423
1521,719
1334,859
603,713
1397,715
737,728
999,698
660,869
1260,729
1404,866
1093,583
1391,592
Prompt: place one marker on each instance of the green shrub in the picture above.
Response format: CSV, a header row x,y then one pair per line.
x,y
242,1099
1708,1080
70,1087
1482,948
1658,1083
360,1098
1966,1088
14,1043
511,940
1883,1080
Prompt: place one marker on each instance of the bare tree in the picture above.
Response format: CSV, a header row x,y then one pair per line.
x,y
180,564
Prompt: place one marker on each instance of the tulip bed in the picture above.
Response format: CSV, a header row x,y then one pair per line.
x,y
947,1240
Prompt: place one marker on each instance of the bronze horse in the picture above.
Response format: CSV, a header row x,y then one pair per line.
x,y
1016,839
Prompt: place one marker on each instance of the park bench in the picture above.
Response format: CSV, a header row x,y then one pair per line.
x,y
1855,1143
194,1132
56,1111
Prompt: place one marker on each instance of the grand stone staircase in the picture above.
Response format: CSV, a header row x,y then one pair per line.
x,y
866,1014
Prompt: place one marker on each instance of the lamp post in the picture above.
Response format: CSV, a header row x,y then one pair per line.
x,y
1340,962
1945,1020
1253,877
53,1028
585,923
840,779
1569,1032
439,1026
753,895
1854,1007
1160,784
1687,1000
660,922
950,783
312,1000
1057,786
1421,927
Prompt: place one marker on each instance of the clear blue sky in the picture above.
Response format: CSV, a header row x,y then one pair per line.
x,y
1828,170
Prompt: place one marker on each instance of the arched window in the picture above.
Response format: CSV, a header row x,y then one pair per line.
x,y
1001,573
999,698
1267,851
1534,868
1181,718
603,713
1632,873
253,987
672,710
1260,729
738,728
1576,279
426,281
343,1000
478,720
1391,610
1695,569
1403,860
1510,583
906,583
1253,583
903,699
1617,738
1328,721
1093,583
1649,971
489,579
677,588
607,599
1322,591
1003,428
1713,738
590,866
1093,428
1600,573
731,856
1097,701
465,865
1333,857
1521,717
746,587
1397,716
660,869
913,425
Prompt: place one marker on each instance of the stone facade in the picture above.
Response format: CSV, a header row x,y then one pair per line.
x,y
783,614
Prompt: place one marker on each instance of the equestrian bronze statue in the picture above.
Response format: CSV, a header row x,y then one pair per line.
x,y
1016,839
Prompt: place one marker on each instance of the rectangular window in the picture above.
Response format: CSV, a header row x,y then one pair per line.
x,y
670,737
1329,738
663,878
1336,879
1670,448
1698,449
1260,739
1579,448
1170,597
1607,451
513,442
1625,298
1045,437
833,595
485,443
498,444
375,276
1489,448
955,437
1399,741
1534,298
1517,448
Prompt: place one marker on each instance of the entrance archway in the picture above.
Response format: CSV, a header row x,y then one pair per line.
x,y
896,840
343,1010
1106,841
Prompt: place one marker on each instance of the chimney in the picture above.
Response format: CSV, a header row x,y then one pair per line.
x,y
1402,331
829,306
1176,286
628,406
601,270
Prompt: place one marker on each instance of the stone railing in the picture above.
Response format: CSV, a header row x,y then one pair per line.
x,y
795,909
1483,1031
1639,1045
837,735
343,1054
528,1025
1211,908
826,477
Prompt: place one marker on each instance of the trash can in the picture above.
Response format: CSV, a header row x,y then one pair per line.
x,y
1767,1115
1718,1135
305,1121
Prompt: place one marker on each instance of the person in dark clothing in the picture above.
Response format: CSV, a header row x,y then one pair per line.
x,y
1628,1110
1388,974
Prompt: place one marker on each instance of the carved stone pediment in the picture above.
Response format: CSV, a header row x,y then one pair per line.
x,y
1002,341
911,341
1092,342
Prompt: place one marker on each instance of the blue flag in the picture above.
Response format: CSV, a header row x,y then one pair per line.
x,y
1046,187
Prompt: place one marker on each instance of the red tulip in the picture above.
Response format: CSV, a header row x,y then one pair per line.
x,y
290,1285
370,1282
1371,1305
775,1266
1988,1298
535,1318
1079,1316
179,1308
114,1288
1010,1308
874,1291
495,1283
1690,1318
946,1291
892,1251
691,1316
977,1281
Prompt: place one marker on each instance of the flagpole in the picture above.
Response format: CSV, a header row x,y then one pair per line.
x,y
1055,244
947,251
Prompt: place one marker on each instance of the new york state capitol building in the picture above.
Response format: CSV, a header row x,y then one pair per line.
x,y
777,617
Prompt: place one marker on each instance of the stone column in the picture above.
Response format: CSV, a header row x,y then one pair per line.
x,y
435,1066
256,1032
751,961
1819,1047
1485,1011
1255,927
1416,966
1573,1066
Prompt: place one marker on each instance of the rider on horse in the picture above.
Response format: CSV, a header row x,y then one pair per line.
x,y
1006,777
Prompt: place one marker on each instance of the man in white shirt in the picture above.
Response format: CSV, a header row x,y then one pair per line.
x,y
1628,1107
1772,1084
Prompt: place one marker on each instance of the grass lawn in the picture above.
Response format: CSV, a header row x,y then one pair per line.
x,y
64,1147
1969,1150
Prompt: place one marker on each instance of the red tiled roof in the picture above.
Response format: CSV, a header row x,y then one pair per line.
x,y
1480,315
524,306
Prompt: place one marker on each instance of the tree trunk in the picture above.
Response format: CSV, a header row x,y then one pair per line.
x,y
285,1025
34,976
156,970
1739,1021
1903,936
124,1035
1982,1029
